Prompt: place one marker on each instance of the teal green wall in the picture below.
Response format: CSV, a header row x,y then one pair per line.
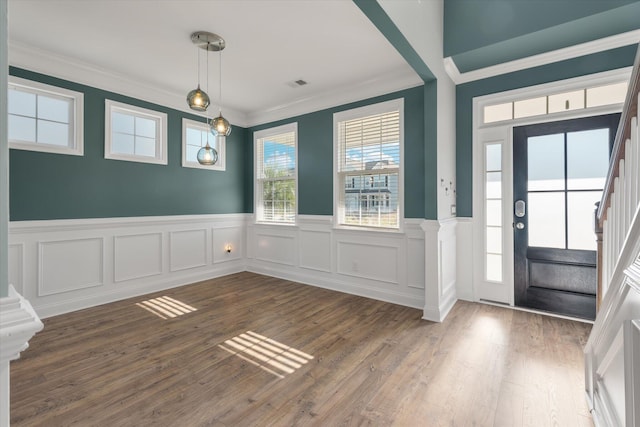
x,y
603,61
53,186
315,155
478,34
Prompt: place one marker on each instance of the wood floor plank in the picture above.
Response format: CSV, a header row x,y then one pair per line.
x,y
264,351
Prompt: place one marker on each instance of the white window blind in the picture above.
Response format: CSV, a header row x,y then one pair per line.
x,y
276,174
369,170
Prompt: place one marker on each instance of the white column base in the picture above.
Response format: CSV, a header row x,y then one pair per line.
x,y
18,323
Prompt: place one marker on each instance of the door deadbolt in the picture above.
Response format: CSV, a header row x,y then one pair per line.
x,y
520,225
520,208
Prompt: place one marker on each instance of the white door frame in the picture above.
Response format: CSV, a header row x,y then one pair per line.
x,y
503,132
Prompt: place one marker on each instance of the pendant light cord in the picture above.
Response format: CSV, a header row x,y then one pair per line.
x,y
220,49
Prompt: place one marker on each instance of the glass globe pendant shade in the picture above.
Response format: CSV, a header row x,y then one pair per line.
x,y
198,99
207,155
220,126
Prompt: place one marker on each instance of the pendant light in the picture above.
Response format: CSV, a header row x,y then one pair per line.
x,y
198,99
220,126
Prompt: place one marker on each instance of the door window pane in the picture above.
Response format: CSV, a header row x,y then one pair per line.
x,y
494,185
494,157
494,212
545,155
607,95
495,113
530,107
587,159
566,101
494,240
581,219
546,220
494,267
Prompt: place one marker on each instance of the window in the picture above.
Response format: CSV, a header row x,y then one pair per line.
x,y
368,143
44,118
493,211
135,134
195,136
276,174
590,97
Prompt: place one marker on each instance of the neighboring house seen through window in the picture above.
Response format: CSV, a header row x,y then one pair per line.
x,y
44,118
368,143
276,174
195,136
135,134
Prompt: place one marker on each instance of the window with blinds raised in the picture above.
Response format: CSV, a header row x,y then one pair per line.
x,y
369,144
276,174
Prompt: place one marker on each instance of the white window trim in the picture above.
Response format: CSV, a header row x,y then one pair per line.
x,y
77,127
161,132
220,142
355,113
257,195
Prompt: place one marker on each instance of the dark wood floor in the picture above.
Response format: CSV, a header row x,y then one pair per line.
x,y
260,351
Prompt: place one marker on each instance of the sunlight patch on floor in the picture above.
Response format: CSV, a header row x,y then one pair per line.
x,y
270,355
166,307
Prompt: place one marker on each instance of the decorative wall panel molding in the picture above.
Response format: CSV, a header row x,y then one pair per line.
x,y
16,266
67,265
387,266
188,249
137,256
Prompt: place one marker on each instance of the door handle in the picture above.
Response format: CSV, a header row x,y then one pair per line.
x,y
520,208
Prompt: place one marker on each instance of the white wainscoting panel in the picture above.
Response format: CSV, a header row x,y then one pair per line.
x,y
415,263
315,250
275,244
16,266
440,268
368,261
137,256
383,265
227,239
464,259
188,249
69,265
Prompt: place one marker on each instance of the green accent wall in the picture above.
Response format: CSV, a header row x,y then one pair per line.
x,y
46,186
584,65
315,155
478,34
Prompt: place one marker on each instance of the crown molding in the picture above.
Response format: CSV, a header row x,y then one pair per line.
x,y
600,45
380,85
42,61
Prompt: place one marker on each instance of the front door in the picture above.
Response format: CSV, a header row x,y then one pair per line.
x,y
559,170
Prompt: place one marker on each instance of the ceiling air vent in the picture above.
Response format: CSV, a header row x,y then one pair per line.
x,y
297,83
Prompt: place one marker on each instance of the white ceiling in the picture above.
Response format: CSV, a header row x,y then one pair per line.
x,y
142,48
